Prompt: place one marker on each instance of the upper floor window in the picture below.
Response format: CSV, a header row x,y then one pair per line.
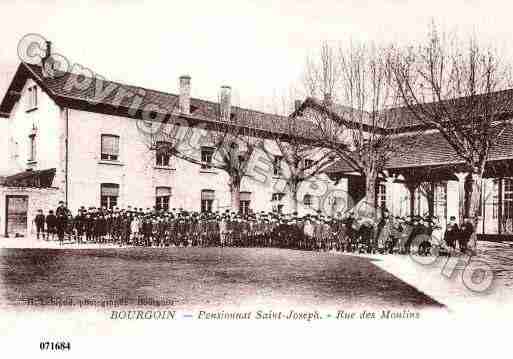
x,y
162,197
277,165
163,155
207,154
32,146
110,148
32,98
307,200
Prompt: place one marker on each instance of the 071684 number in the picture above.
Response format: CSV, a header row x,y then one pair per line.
x,y
55,346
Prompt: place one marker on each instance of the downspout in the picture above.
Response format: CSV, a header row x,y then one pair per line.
x,y
66,162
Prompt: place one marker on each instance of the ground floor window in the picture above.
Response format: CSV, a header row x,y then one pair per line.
x,y
495,199
276,198
307,200
162,197
507,197
109,195
245,202
207,200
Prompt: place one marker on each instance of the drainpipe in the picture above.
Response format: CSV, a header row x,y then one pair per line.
x,y
66,114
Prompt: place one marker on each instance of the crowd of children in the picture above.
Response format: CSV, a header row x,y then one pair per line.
x,y
176,227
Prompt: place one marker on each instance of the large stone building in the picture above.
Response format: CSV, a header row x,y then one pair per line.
x,y
84,140
66,140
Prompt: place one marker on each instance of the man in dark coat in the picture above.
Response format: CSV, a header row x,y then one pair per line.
x,y
451,233
40,223
62,220
466,231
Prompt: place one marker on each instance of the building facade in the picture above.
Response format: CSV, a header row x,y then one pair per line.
x,y
94,155
90,142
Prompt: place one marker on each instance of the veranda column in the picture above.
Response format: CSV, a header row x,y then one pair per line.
x,y
390,193
431,199
412,187
461,194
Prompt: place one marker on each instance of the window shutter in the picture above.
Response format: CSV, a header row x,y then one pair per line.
x,y
110,189
163,191
207,194
245,196
110,145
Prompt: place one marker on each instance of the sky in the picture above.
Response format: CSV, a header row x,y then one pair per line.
x,y
258,48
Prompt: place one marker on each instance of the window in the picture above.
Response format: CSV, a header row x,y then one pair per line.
x,y
278,196
207,153
207,200
277,165
245,202
278,208
307,200
32,98
163,154
162,196
109,195
382,195
440,200
110,148
32,147
495,199
507,195
308,163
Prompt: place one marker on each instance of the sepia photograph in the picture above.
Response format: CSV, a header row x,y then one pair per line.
x,y
256,173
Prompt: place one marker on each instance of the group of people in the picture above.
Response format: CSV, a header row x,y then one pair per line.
x,y
176,227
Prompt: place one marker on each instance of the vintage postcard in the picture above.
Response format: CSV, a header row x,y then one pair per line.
x,y
300,178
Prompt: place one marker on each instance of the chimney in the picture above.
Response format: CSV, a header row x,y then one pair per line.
x,y
297,104
327,99
46,61
225,102
48,52
185,94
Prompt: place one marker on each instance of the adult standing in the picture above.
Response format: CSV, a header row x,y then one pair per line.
x,y
466,232
62,220
40,223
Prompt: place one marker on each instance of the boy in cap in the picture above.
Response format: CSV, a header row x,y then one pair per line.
x,y
40,223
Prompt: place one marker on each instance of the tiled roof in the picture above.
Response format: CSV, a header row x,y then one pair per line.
x,y
40,178
87,95
431,149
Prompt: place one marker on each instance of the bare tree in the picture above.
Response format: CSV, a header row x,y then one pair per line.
x,y
222,141
301,156
457,87
356,124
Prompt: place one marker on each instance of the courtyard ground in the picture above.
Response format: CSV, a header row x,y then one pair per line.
x,y
205,277
215,277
